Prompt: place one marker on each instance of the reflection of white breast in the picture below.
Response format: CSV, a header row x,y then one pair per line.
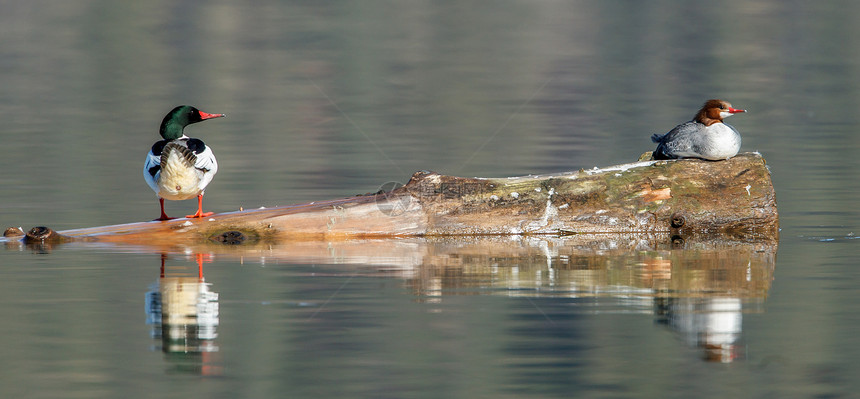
x,y
722,321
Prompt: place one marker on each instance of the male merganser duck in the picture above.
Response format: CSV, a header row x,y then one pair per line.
x,y
180,167
705,137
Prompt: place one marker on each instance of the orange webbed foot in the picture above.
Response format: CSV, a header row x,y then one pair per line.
x,y
200,215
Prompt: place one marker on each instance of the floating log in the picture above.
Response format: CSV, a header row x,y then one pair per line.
x,y
733,198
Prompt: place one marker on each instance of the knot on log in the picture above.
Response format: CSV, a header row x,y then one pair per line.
x,y
42,234
677,220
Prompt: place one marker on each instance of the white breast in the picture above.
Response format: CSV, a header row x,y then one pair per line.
x,y
720,141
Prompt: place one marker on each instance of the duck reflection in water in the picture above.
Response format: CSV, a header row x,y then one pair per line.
x,y
713,324
183,313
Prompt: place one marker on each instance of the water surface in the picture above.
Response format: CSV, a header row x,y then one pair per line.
x,y
330,100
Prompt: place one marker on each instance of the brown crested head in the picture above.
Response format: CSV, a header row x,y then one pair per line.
x,y
715,111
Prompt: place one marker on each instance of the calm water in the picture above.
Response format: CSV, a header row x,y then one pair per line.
x,y
326,101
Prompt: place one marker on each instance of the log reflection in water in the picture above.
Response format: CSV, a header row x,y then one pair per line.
x,y
698,288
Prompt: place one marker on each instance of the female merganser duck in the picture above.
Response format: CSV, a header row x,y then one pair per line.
x,y
705,137
180,167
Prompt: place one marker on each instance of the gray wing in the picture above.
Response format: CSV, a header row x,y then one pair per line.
x,y
678,142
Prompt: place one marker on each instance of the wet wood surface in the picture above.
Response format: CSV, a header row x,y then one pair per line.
x,y
733,198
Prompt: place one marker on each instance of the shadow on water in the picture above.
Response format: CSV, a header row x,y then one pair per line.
x,y
698,289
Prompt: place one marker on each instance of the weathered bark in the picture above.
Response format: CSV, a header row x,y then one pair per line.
x,y
732,198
